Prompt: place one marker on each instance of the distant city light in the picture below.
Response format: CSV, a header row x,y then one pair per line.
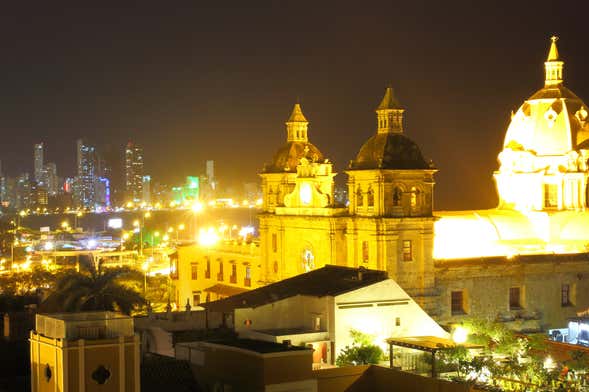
x,y
115,223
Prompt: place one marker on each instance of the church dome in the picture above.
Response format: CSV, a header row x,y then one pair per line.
x,y
553,120
389,148
289,156
297,146
389,151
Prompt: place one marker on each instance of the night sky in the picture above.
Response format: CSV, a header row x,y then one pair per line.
x,y
217,80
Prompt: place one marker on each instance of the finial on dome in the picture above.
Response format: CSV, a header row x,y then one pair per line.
x,y
389,101
296,125
297,114
553,65
553,52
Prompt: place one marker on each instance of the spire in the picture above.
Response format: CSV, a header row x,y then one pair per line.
x,y
296,125
553,53
553,65
389,114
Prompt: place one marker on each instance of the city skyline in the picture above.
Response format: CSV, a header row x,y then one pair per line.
x,y
198,83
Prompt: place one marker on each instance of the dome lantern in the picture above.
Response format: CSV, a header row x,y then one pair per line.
x,y
553,65
389,114
296,126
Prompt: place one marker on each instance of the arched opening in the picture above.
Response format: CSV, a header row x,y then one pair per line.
x,y
397,194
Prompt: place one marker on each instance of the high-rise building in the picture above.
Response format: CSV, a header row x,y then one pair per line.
x,y
3,190
146,189
51,179
23,192
210,172
134,171
102,192
84,192
39,169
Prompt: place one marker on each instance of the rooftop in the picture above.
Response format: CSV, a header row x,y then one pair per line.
x,y
258,346
330,280
84,325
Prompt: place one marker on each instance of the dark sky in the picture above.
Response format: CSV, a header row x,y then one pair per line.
x,y
216,80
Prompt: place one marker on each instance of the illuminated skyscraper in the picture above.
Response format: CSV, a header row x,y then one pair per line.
x,y
38,163
134,172
51,179
84,193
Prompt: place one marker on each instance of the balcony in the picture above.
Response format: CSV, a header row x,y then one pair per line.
x,y
247,282
220,276
208,274
233,279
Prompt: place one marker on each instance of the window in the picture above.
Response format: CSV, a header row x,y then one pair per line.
x,y
195,299
457,302
365,251
359,197
274,243
565,295
414,196
550,195
247,281
220,274
193,271
407,250
397,193
317,324
275,266
397,321
208,270
233,277
370,197
515,298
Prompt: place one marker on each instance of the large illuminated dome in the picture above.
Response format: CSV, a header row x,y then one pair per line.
x,y
543,165
297,146
541,182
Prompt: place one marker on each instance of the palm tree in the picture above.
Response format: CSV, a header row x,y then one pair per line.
x,y
95,288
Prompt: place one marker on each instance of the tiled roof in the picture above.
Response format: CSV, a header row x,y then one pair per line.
x,y
330,280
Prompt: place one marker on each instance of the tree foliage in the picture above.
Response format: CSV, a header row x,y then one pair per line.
x,y
362,351
95,288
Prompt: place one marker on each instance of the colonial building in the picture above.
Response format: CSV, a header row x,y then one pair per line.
x,y
524,263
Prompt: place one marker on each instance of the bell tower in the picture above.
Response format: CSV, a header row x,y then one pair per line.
x,y
390,190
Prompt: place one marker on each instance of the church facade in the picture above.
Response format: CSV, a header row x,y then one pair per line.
x,y
523,263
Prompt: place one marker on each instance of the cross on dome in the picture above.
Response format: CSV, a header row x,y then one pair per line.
x,y
553,65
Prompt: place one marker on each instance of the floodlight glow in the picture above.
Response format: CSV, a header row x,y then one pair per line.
x,y
459,335
48,245
92,244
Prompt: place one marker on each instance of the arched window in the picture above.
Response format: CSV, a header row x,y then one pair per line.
x,y
359,197
414,197
397,193
370,197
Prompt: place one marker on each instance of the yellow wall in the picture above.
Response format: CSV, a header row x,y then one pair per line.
x,y
228,254
64,359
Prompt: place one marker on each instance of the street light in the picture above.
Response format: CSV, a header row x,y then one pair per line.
x,y
140,226
145,268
